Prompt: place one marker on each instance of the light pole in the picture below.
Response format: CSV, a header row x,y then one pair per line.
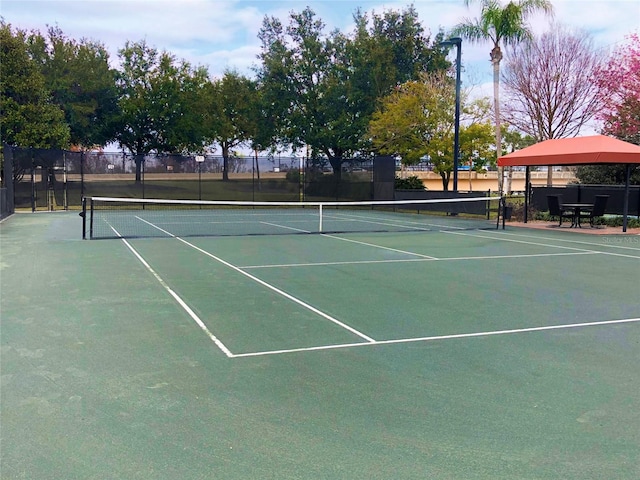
x,y
457,41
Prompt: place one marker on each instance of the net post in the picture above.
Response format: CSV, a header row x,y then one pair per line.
x,y
91,219
83,214
320,215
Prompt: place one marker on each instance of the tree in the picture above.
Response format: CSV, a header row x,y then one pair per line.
x,y
81,83
618,80
619,83
417,120
607,174
549,85
386,51
475,146
158,103
500,25
231,113
29,119
477,139
326,87
297,64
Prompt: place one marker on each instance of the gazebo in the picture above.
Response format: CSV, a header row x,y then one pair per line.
x,y
590,150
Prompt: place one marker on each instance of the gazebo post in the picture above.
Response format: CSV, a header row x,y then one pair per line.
x,y
625,206
527,179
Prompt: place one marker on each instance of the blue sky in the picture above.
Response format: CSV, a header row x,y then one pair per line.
x,y
222,34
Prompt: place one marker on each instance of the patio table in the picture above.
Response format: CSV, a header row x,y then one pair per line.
x,y
577,208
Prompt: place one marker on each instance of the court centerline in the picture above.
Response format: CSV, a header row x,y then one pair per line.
x,y
379,246
414,226
286,227
436,338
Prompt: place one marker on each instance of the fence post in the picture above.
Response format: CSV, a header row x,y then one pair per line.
x,y
33,183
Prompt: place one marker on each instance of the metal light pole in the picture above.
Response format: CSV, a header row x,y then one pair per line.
x,y
457,41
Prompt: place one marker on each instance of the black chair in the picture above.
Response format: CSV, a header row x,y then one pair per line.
x,y
556,210
598,209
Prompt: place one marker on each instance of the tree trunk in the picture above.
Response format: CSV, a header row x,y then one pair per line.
x,y
336,165
445,180
139,159
255,153
225,162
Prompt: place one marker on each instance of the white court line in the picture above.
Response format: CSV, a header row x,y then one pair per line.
x,y
378,246
414,226
177,298
438,337
285,227
267,285
405,260
580,242
522,241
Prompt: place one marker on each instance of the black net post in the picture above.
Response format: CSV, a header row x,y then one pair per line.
x,y
91,220
83,214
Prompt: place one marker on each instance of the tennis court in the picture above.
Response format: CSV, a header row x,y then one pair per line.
x,y
410,353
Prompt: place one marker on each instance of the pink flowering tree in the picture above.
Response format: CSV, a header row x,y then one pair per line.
x,y
619,83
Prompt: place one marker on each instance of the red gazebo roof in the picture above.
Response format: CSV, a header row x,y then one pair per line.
x,y
596,149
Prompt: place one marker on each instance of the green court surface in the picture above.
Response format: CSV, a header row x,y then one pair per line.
x,y
510,354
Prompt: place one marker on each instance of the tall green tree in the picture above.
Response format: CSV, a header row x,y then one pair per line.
x,y
296,63
158,103
80,82
327,86
231,114
387,50
29,118
500,25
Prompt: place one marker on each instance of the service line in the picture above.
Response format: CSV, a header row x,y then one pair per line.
x,y
438,337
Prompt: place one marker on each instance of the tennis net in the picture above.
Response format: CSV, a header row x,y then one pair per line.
x,y
105,217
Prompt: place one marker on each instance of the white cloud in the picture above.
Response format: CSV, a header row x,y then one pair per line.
x,y
223,33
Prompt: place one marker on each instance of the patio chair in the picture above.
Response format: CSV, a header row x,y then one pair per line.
x,y
556,210
598,209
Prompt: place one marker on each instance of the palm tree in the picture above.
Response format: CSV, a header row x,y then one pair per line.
x,y
500,25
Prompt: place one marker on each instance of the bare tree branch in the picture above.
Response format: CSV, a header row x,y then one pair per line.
x,y
549,84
